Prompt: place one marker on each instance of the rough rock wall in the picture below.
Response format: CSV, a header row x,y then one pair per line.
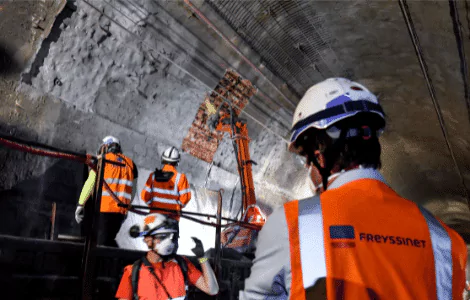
x,y
91,78
125,82
29,184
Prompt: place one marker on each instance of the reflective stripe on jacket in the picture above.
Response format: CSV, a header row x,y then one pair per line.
x,y
172,194
119,179
358,240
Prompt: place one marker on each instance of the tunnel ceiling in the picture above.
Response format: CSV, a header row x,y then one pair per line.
x,y
304,42
290,36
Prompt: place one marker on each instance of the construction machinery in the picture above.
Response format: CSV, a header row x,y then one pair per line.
x,y
236,236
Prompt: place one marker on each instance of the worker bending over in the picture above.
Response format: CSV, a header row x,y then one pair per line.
x,y
167,188
161,275
357,238
122,180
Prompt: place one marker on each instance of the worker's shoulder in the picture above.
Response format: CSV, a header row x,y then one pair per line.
x,y
183,178
127,158
127,270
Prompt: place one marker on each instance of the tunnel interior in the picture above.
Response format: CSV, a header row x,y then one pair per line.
x,y
152,72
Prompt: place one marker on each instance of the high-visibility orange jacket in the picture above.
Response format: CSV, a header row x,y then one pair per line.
x,y
360,240
167,189
119,179
170,276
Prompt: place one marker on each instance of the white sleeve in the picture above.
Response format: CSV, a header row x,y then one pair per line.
x,y
270,276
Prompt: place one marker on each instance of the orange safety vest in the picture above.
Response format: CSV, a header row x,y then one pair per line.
x,y
171,193
170,275
370,243
119,179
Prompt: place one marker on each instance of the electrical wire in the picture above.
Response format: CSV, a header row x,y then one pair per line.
x,y
199,69
419,53
454,14
209,23
182,69
259,93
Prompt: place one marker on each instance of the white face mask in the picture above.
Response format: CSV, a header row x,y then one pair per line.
x,y
166,246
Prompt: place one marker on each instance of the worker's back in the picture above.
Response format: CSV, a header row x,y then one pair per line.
x,y
364,239
378,245
167,189
119,178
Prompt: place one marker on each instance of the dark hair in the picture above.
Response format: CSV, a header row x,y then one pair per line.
x,y
343,153
112,148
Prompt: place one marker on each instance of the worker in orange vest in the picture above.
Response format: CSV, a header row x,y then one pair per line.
x,y
121,178
167,188
356,238
159,274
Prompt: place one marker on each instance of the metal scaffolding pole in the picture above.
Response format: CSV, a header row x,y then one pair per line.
x,y
217,264
88,261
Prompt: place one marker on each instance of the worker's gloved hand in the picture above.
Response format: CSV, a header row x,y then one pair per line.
x,y
79,213
198,250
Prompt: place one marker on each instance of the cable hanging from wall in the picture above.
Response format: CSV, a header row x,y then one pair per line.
x,y
180,67
278,118
424,68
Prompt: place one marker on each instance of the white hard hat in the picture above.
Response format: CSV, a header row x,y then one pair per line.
x,y
155,224
331,101
110,140
171,155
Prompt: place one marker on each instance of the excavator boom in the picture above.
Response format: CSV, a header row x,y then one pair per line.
x,y
239,133
237,237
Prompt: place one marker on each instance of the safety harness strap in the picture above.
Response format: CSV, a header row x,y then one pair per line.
x,y
135,278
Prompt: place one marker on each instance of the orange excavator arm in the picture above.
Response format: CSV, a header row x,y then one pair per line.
x,y
239,133
236,237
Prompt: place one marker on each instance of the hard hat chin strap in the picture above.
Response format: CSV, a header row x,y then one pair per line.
x,y
324,172
330,156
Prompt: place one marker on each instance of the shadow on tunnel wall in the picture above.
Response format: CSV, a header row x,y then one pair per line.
x,y
433,184
26,207
53,37
8,64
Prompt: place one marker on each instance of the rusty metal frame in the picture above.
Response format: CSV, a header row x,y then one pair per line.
x,y
53,221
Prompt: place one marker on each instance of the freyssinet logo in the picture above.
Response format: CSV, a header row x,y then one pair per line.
x,y
343,236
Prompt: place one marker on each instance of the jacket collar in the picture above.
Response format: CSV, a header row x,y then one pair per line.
x,y
169,168
356,174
